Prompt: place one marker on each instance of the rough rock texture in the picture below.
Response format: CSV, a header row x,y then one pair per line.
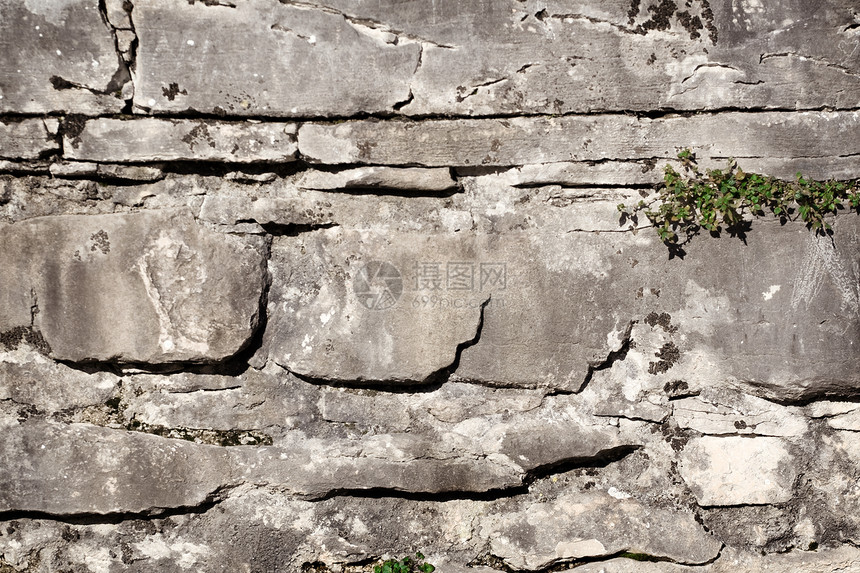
x,y
113,140
73,279
304,285
59,55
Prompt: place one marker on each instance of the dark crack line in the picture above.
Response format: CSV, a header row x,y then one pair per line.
x,y
611,358
600,460
814,60
661,113
488,559
115,518
366,22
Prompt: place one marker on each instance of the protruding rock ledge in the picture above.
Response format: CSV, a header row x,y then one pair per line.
x,y
588,525
534,140
152,139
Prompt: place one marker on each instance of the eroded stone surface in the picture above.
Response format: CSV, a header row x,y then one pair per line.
x,y
342,315
193,295
717,412
59,55
737,470
522,140
150,139
79,468
27,139
379,178
319,63
591,525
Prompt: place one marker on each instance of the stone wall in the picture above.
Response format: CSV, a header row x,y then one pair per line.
x,y
298,286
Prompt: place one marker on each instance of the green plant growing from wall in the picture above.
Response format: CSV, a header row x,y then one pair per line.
x,y
718,200
405,565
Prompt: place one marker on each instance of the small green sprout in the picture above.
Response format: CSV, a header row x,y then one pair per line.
x,y
718,200
405,565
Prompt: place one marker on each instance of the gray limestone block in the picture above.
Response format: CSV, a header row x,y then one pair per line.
x,y
337,313
26,139
29,378
151,139
563,302
400,462
564,56
191,294
717,411
524,140
58,55
206,57
66,469
589,525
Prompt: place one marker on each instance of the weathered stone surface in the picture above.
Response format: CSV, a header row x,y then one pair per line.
x,y
736,470
574,56
150,139
521,141
59,56
27,139
319,63
78,468
502,59
78,169
192,294
722,412
843,558
29,379
537,234
594,525
341,315
379,178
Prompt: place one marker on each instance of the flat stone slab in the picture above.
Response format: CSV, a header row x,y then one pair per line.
x,y
338,314
206,57
524,140
521,58
78,468
151,139
587,525
561,56
28,138
562,298
59,56
738,470
192,294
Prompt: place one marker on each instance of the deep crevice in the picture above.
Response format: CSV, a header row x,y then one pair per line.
x,y
115,518
663,112
599,460
290,229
